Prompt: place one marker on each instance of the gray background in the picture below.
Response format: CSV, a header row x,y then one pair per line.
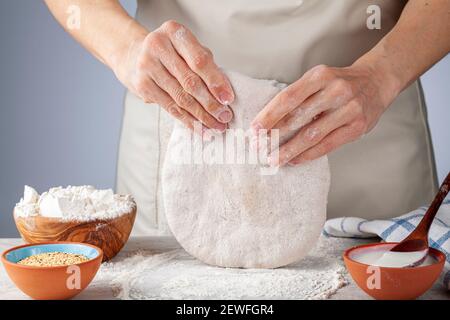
x,y
60,112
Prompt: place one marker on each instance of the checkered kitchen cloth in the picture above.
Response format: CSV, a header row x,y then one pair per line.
x,y
396,229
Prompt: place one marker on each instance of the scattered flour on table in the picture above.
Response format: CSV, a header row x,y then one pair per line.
x,y
176,275
74,203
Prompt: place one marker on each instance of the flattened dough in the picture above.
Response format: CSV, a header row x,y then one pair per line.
x,y
231,215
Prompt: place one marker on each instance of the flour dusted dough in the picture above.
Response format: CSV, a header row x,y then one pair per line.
x,y
230,215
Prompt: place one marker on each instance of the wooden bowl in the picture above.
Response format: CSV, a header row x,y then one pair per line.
x,y
110,234
384,283
52,283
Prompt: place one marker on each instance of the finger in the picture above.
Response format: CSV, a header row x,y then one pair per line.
x,y
161,97
200,60
335,139
290,98
149,91
332,97
302,115
183,99
143,88
313,133
194,85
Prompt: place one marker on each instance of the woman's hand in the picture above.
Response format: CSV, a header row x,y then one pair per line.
x,y
345,103
171,68
326,108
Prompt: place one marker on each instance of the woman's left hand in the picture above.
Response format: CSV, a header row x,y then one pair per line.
x,y
338,105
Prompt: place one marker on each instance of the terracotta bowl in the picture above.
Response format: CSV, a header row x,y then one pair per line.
x,y
52,283
110,235
393,283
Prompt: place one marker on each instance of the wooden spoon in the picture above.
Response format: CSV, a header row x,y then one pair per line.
x,y
418,239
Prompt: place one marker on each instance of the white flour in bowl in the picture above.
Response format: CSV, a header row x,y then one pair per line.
x,y
74,203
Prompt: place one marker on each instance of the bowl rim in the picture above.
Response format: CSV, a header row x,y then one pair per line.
x,y
5,261
439,255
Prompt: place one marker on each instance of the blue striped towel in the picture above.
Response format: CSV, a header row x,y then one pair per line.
x,y
396,229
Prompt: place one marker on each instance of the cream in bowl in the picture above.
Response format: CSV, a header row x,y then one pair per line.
x,y
76,213
374,270
381,257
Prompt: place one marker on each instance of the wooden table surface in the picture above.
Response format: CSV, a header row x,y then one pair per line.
x,y
163,244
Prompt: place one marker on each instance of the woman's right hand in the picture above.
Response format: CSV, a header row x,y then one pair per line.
x,y
171,68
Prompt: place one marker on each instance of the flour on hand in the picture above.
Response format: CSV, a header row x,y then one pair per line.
x,y
231,215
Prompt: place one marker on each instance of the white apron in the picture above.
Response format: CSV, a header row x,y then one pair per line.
x,y
388,172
